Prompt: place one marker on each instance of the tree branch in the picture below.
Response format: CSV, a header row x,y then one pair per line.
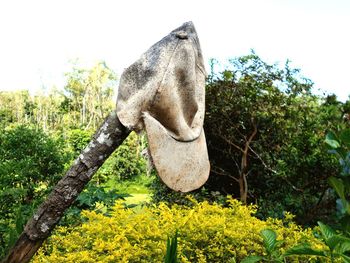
x,y
231,143
221,171
243,185
262,161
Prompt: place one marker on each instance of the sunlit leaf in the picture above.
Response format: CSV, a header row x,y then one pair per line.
x,y
326,231
269,237
338,186
345,258
345,137
336,242
252,259
332,140
304,250
342,246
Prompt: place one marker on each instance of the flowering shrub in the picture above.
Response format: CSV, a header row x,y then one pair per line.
x,y
206,233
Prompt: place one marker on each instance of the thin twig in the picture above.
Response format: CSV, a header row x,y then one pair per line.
x,y
262,161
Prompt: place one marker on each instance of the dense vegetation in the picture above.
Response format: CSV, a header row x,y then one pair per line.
x,y
207,233
268,146
265,132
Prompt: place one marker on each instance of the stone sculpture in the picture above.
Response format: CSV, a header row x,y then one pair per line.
x,y
164,93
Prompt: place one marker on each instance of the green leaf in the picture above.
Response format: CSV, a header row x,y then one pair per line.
x,y
338,243
331,136
346,182
342,247
171,250
252,259
332,140
345,137
269,237
345,258
304,250
346,205
345,224
327,231
333,143
228,75
338,186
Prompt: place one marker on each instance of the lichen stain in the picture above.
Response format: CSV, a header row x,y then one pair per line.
x,y
104,139
44,227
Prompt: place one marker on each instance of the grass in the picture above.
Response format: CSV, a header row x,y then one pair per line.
x,y
139,185
138,188
136,199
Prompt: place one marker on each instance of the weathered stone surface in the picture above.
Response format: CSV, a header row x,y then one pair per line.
x,y
183,166
164,93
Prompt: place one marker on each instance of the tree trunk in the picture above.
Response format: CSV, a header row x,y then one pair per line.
x,y
243,188
110,135
243,184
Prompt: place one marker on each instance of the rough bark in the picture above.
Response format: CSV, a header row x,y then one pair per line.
x,y
110,135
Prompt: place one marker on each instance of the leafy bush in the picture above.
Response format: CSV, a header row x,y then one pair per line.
x,y
340,145
30,163
78,139
271,245
337,246
265,133
161,193
124,164
94,198
206,233
127,161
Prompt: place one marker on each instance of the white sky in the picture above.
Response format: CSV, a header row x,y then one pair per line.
x,y
39,37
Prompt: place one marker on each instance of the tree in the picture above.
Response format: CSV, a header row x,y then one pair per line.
x,y
265,130
88,95
14,106
30,164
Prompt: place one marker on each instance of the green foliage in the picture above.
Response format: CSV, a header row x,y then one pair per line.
x,y
161,193
137,185
15,106
94,198
264,131
337,246
122,174
252,259
78,139
285,164
206,233
271,246
128,161
171,249
305,250
340,146
88,95
270,240
86,99
31,162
